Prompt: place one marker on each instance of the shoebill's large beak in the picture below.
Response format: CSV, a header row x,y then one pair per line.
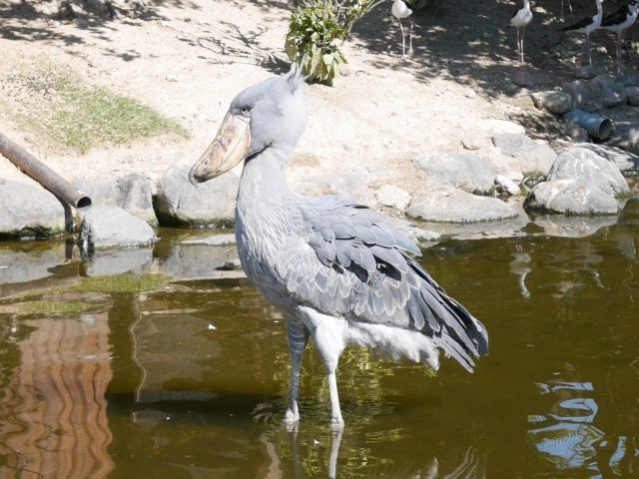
x,y
230,146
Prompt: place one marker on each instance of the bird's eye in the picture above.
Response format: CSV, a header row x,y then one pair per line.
x,y
244,109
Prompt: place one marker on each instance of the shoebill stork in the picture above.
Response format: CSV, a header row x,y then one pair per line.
x,y
588,25
337,270
520,20
401,11
620,21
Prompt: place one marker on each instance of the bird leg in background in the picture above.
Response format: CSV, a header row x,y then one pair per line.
x,y
401,29
410,36
297,340
521,47
588,47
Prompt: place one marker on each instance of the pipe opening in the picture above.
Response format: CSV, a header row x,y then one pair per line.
x,y
605,129
83,202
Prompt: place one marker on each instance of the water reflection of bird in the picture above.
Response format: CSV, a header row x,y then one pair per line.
x,y
400,11
336,269
588,25
520,20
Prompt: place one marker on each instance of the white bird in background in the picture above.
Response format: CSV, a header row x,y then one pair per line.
x,y
619,22
588,25
520,21
400,11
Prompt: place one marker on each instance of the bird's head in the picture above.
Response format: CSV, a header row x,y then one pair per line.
x,y
269,114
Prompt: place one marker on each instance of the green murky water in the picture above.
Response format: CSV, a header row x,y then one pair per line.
x,y
174,370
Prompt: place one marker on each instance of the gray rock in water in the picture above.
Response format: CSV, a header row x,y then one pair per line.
x,y
28,211
532,156
455,206
133,193
584,164
393,197
573,226
107,227
628,163
208,204
470,173
30,261
110,262
571,196
198,260
558,102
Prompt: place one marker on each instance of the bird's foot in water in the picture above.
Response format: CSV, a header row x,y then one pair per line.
x,y
291,419
337,424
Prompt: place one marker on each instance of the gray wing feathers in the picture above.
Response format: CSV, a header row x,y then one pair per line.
x,y
355,266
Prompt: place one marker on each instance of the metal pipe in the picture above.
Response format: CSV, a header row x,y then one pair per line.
x,y
598,127
49,179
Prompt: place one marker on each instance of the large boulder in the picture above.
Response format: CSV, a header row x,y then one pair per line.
x,y
450,205
585,164
347,185
571,196
108,227
628,163
468,172
533,156
132,193
28,211
393,197
179,203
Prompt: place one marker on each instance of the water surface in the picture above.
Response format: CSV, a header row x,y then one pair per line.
x,y
161,365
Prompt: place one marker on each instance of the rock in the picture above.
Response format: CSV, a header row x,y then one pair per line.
x,y
585,95
576,132
195,260
571,196
349,186
531,155
472,141
584,164
133,193
110,262
628,163
498,127
611,93
28,211
506,185
29,261
180,203
626,136
632,93
106,227
393,197
454,206
558,102
470,173
573,226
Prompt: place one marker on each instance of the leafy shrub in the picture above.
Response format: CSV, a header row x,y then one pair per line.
x,y
315,28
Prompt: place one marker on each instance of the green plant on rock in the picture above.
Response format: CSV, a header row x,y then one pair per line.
x,y
316,28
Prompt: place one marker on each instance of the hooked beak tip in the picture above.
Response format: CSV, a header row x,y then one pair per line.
x,y
192,179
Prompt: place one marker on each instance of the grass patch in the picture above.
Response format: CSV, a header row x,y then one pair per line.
x,y
122,283
56,105
47,307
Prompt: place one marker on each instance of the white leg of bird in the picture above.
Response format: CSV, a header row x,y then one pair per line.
x,y
401,29
329,334
518,37
588,47
523,33
297,339
410,36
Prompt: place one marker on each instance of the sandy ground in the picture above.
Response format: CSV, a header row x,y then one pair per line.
x,y
189,59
